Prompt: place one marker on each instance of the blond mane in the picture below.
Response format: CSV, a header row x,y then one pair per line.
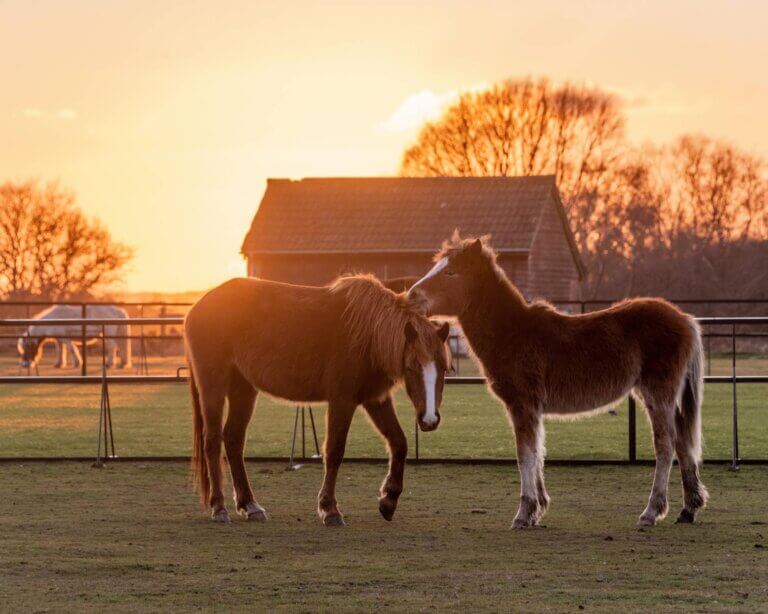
x,y
376,319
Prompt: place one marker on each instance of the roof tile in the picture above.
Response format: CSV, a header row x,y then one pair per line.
x,y
396,213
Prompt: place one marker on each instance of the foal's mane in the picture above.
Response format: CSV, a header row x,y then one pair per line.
x,y
376,319
455,245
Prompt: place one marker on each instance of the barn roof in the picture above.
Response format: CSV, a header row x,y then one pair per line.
x,y
400,214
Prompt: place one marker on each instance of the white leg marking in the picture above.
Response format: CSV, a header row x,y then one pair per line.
x,y
528,470
255,512
430,379
439,266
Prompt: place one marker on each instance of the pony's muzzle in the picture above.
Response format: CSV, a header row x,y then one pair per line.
x,y
429,424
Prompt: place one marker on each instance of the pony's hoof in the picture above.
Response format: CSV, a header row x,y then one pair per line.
x,y
334,520
255,512
685,517
387,508
646,521
221,515
260,516
521,523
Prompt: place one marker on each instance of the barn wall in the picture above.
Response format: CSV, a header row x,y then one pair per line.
x,y
551,269
320,269
516,268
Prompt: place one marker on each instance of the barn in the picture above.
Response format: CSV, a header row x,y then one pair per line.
x,y
311,230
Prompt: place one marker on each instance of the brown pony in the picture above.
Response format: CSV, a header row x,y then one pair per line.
x,y
347,344
400,284
539,361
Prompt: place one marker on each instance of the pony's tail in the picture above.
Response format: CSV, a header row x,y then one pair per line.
x,y
689,414
199,464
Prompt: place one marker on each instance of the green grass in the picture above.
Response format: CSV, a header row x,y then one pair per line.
x,y
154,420
130,538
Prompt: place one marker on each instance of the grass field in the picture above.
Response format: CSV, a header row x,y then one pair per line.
x,y
154,420
130,538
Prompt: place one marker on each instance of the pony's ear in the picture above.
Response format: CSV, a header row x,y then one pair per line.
x,y
410,333
443,331
475,248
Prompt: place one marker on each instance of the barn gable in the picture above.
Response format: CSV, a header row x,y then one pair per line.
x,y
551,262
309,230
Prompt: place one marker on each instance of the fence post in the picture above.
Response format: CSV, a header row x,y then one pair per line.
x,y
735,450
163,313
83,340
632,417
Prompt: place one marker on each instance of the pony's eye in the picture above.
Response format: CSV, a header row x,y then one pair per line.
x,y
450,272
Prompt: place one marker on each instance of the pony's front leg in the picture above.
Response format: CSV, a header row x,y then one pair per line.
x,y
529,439
337,421
384,418
61,354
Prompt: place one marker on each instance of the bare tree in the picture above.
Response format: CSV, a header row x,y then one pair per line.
x,y
522,127
690,219
686,220
49,248
527,127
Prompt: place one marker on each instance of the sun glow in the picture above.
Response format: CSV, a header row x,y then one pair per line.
x,y
166,121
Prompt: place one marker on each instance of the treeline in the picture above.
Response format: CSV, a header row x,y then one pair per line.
x,y
688,219
49,249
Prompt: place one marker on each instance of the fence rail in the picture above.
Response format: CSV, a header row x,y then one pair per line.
x,y
104,379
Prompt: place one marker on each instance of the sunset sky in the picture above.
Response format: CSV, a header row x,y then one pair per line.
x,y
167,117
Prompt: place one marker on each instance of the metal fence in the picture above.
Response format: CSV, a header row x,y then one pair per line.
x,y
105,436
159,339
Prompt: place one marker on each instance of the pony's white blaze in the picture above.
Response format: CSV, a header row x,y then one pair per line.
x,y
430,379
439,266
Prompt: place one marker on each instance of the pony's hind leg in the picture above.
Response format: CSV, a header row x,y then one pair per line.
x,y
694,493
384,418
212,402
688,448
110,347
337,421
543,495
241,396
663,425
529,433
77,358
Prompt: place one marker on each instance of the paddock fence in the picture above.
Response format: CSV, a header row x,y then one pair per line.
x,y
725,331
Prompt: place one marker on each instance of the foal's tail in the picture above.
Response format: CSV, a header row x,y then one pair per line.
x,y
199,464
688,418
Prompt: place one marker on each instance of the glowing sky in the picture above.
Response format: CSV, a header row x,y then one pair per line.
x,y
166,117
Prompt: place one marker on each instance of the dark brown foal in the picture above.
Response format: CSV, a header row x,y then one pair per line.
x,y
539,361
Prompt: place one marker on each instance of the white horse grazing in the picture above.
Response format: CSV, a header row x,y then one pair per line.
x,y
70,336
